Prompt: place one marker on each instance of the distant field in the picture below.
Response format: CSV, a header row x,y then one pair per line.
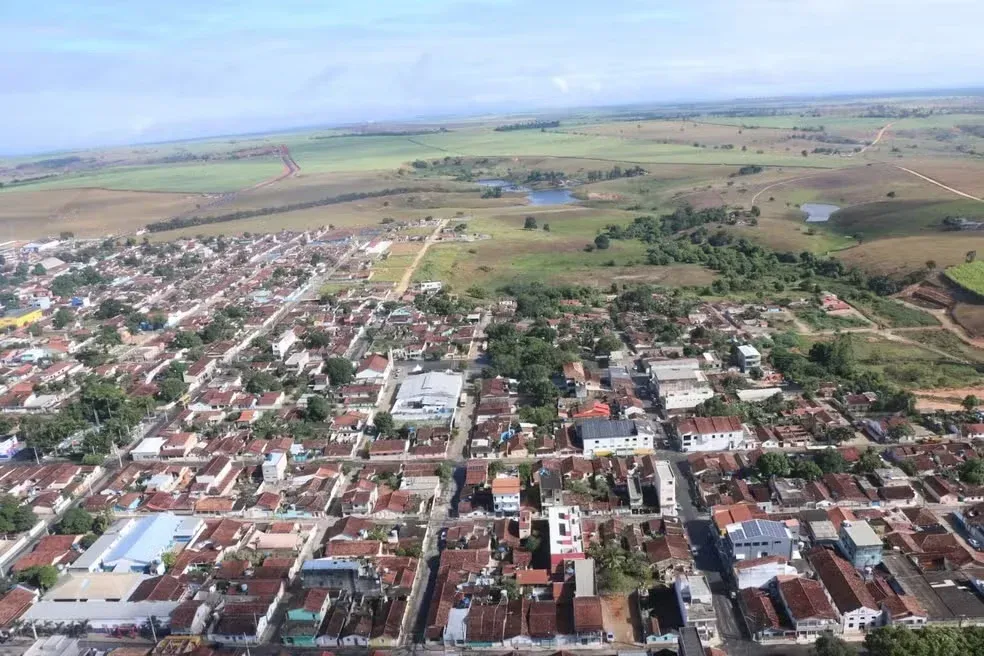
x,y
969,275
893,314
898,218
819,320
903,254
218,176
947,341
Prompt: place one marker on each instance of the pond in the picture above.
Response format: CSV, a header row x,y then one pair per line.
x,y
535,196
818,212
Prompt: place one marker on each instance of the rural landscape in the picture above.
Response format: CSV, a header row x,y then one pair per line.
x,y
700,378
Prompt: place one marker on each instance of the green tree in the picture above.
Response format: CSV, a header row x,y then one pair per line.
x,y
607,344
39,269
168,558
546,227
75,521
43,577
318,409
541,391
830,645
830,461
383,421
806,469
444,471
970,402
15,518
186,340
868,462
339,370
529,223
839,434
62,318
773,464
171,389
525,472
972,471
109,336
602,242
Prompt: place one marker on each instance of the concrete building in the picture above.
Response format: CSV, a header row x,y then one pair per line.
x,y
748,357
758,572
758,538
430,397
710,434
696,604
619,437
665,488
148,449
274,467
857,607
282,344
137,545
566,542
19,317
505,495
860,544
680,388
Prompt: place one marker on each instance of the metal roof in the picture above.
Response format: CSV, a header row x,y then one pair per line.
x,y
599,429
757,528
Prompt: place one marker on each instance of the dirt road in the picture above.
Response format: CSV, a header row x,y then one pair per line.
x,y
408,274
878,137
939,184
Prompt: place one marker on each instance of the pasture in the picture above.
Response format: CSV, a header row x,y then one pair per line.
x,y
969,276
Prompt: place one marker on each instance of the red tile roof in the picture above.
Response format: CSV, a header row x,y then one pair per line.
x,y
588,615
806,599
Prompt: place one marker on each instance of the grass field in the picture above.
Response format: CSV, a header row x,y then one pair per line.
x,y
893,314
947,341
819,320
205,177
899,218
969,275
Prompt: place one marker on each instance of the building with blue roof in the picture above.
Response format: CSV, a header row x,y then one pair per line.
x,y
138,545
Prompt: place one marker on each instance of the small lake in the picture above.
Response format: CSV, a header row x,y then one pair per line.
x,y
535,196
818,212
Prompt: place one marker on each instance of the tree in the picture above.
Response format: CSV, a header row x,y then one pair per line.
x,y
339,370
541,391
602,242
186,340
39,269
890,194
529,223
773,464
444,472
261,382
62,318
43,577
756,211
806,469
532,543
318,409
756,373
15,518
830,461
607,344
868,462
171,389
168,558
495,468
383,421
546,227
76,521
525,470
830,645
972,471
839,434
109,336
970,402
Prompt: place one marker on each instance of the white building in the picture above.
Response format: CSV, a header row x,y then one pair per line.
x,y
696,604
758,572
283,343
620,437
566,541
430,286
680,387
148,449
505,495
748,357
857,607
666,487
430,397
274,467
710,433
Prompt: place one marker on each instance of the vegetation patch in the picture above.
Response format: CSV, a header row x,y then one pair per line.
x,y
899,217
820,320
969,276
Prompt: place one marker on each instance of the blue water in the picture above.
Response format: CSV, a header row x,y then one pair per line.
x,y
536,197
818,212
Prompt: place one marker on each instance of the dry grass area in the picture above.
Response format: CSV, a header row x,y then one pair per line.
x,y
964,174
970,316
901,254
86,212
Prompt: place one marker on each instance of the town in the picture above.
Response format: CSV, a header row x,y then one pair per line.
x,y
222,444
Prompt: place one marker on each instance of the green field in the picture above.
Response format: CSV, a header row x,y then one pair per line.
x,y
900,217
820,320
216,176
947,341
969,275
892,314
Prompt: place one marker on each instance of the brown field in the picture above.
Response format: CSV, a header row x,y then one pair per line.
x,y
965,174
970,316
86,212
902,254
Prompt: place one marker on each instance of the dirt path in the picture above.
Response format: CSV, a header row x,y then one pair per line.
x,y
947,323
939,184
404,283
787,180
878,137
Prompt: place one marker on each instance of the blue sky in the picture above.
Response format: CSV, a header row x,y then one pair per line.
x,y
77,73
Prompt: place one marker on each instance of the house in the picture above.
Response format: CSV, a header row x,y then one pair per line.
x,y
665,483
622,437
758,572
860,544
857,608
283,344
588,620
374,368
148,449
696,604
761,616
551,488
679,385
505,495
274,467
710,433
748,357
808,608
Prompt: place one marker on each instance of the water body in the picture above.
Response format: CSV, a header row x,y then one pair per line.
x,y
536,197
818,212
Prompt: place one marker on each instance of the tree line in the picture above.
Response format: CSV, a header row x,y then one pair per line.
x,y
528,125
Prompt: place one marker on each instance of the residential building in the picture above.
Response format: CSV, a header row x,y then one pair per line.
x,y
807,607
551,488
665,483
274,467
19,317
748,357
758,538
148,449
374,368
855,604
283,344
505,495
680,388
620,437
566,541
860,544
758,572
710,433
696,604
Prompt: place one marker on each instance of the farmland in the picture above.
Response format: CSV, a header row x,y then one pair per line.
x,y
969,276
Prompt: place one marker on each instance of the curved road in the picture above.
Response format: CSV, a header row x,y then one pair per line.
x,y
939,184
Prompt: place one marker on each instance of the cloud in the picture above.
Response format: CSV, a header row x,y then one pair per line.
x,y
560,83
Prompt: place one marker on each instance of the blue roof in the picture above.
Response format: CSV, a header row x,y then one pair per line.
x,y
147,541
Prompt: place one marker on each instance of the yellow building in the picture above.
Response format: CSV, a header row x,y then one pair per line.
x,y
19,318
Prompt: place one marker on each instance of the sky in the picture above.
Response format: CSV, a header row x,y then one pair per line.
x,y
81,73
